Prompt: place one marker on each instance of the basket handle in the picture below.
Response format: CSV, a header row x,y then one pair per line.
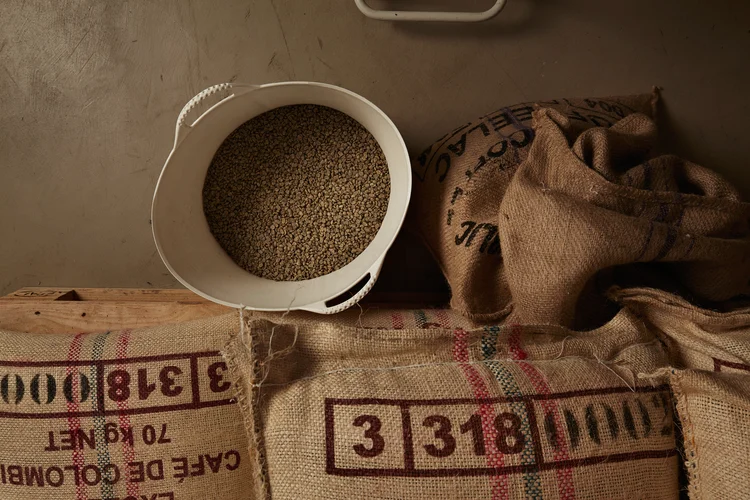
x,y
232,90
403,15
322,308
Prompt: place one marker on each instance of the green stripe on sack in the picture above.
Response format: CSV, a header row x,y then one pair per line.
x,y
532,481
102,447
421,318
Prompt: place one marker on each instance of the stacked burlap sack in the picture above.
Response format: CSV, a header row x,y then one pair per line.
x,y
136,414
338,411
365,404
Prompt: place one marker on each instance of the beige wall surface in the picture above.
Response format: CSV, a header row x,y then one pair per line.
x,y
90,90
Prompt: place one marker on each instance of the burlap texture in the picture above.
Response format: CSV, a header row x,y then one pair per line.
x,y
128,414
375,317
696,338
712,393
585,202
460,181
714,410
337,412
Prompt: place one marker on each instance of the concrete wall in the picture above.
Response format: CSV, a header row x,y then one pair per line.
x,y
90,91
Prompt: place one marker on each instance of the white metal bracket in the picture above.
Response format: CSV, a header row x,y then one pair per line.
x,y
405,15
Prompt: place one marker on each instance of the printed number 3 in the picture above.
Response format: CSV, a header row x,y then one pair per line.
x,y
443,432
373,434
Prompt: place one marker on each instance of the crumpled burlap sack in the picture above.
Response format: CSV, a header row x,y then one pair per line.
x,y
337,412
460,181
584,202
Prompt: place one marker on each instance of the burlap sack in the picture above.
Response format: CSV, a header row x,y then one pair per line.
x,y
714,410
586,202
460,180
713,394
129,415
335,412
696,338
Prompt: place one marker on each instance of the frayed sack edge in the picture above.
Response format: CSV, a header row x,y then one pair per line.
x,y
682,418
241,351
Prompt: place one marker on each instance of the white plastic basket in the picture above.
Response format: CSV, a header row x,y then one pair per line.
x,y
179,226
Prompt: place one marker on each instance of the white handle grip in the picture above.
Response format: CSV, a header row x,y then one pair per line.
x,y
182,119
403,15
322,308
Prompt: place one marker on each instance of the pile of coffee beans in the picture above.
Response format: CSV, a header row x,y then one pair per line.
x,y
297,192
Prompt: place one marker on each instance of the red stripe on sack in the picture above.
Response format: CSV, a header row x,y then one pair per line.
x,y
442,318
128,452
565,484
74,423
486,412
397,321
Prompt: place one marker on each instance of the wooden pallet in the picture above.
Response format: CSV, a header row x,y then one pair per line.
x,y
75,310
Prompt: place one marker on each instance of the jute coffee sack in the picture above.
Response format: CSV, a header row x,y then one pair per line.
x,y
460,181
336,412
713,394
584,202
714,411
125,415
696,338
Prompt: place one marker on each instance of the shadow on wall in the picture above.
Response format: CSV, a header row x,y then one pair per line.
x,y
674,139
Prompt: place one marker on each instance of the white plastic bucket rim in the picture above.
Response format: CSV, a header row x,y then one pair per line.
x,y
179,227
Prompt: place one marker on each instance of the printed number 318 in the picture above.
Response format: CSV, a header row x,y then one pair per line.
x,y
507,429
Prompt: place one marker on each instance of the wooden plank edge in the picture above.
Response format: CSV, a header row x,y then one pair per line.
x,y
105,294
96,316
